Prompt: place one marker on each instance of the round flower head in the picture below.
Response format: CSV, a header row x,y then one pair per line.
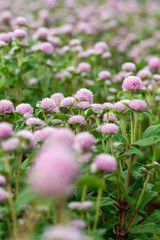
x,y
6,106
54,171
86,204
6,129
104,75
84,140
100,47
84,67
78,223
44,133
132,83
25,109
144,73
74,205
22,21
68,102
83,105
156,77
10,144
41,33
19,33
2,180
78,119
49,105
2,44
63,136
109,128
74,42
105,162
138,105
120,107
28,136
111,116
108,106
84,94
57,97
129,67
60,232
3,195
154,63
47,48
96,106
34,122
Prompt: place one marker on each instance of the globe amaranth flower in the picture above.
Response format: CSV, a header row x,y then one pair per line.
x,y
6,106
22,21
104,75
10,144
28,136
108,128
112,117
6,129
154,63
78,223
4,195
105,162
57,98
25,109
144,73
63,136
34,122
47,48
138,105
100,47
68,102
83,105
77,119
120,106
84,140
132,83
129,67
2,180
97,106
84,94
44,133
74,205
49,105
84,67
108,106
19,33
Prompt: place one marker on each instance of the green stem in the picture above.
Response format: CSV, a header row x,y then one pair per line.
x,y
84,193
111,145
46,119
2,58
128,172
10,199
132,128
97,208
19,155
135,126
124,130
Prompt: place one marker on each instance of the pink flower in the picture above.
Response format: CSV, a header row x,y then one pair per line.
x,y
108,106
24,108
74,205
83,105
6,129
57,97
86,204
109,128
132,83
154,63
34,122
28,136
78,223
21,21
42,33
2,44
84,140
4,195
47,48
120,107
68,102
129,67
104,75
144,73
84,67
105,162
49,105
2,180
111,116
138,105
44,133
84,94
77,119
19,33
6,106
10,144
64,136
96,106
100,47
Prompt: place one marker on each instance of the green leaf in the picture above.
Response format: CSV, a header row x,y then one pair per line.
x,y
131,151
147,141
96,133
92,181
25,164
146,228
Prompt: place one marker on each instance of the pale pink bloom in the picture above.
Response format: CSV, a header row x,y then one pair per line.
x,y
104,75
132,83
108,128
6,106
57,97
19,33
68,102
28,136
4,195
84,94
77,119
129,66
10,144
105,162
138,105
6,129
84,140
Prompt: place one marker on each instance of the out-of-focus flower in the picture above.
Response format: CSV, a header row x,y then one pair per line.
x,y
6,129
105,162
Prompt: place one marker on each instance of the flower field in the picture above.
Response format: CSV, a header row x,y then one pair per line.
x,y
79,120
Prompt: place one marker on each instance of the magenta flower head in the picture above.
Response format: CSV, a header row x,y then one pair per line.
x,y
154,63
105,162
63,232
29,140
34,122
100,47
129,67
138,105
44,133
2,180
132,83
74,205
6,106
120,107
77,119
68,102
47,48
4,195
108,128
104,75
6,129
84,140
10,144
63,136
144,73
41,33
22,21
111,116
49,105
57,97
84,67
19,33
83,105
96,106
108,106
25,109
84,94
54,171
